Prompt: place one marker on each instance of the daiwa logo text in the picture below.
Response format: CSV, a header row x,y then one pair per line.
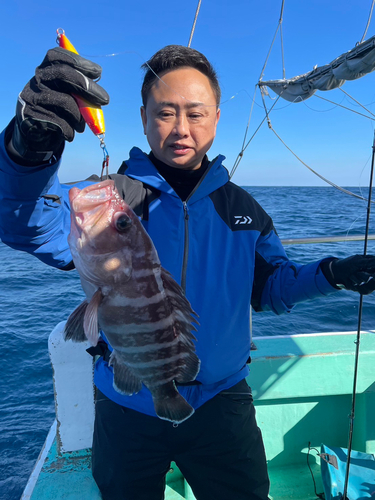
x,y
243,219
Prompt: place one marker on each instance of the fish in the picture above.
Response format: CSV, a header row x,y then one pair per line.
x,y
139,306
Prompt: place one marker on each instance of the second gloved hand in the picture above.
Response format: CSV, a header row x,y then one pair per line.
x,y
47,114
355,273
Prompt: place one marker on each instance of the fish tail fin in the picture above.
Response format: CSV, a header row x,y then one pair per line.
x,y
173,407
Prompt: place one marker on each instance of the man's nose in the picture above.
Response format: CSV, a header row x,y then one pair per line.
x,y
181,126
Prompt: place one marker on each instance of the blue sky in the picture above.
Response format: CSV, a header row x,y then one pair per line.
x,y
236,37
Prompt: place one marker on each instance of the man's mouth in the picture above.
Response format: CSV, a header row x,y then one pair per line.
x,y
180,149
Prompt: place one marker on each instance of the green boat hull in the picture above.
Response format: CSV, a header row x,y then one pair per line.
x,y
302,388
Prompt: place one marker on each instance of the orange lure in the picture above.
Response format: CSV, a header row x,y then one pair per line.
x,y
92,114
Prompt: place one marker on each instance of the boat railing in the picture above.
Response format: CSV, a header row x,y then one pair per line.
x,y
325,239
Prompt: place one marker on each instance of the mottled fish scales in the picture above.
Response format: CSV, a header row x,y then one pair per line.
x,y
141,308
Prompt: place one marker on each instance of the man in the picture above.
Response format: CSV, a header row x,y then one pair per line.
x,y
190,210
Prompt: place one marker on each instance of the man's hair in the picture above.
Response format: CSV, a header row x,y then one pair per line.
x,y
177,56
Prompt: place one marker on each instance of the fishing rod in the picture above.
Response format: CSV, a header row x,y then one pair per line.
x,y
357,341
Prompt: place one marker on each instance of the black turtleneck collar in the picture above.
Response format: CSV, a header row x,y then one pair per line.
x,y
182,181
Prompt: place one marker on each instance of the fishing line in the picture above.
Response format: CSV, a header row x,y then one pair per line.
x,y
351,225
239,157
115,54
361,173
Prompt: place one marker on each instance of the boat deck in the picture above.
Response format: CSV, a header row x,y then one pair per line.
x,y
302,388
67,476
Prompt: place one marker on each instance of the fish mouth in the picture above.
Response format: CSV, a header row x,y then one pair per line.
x,y
91,207
91,196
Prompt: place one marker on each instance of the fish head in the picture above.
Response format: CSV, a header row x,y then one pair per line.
x,y
104,234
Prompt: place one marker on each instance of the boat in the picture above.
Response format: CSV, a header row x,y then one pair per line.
x,y
302,388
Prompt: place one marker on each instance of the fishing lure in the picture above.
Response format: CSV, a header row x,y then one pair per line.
x,y
92,114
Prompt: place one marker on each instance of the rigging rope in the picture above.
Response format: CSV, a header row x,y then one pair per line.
x,y
195,22
346,191
355,100
368,22
348,109
369,201
322,110
240,154
274,38
282,50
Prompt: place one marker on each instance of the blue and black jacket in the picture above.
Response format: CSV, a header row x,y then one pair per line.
x,y
219,244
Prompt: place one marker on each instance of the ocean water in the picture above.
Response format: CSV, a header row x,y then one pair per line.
x,y
34,298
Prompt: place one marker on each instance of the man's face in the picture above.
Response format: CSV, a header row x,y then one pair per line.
x,y
180,118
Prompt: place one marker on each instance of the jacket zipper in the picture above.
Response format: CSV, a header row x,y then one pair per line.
x,y
186,247
186,230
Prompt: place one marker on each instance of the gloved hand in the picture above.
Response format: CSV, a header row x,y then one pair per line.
x,y
46,113
355,273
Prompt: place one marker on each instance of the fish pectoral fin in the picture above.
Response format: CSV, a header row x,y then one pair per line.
x,y
124,381
189,370
90,321
73,329
169,404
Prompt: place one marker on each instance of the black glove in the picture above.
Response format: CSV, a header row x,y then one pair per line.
x,y
46,113
355,273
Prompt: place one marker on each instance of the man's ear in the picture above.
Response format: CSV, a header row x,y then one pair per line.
x,y
144,119
217,118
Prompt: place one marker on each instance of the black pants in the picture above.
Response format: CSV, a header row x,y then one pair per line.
x,y
219,450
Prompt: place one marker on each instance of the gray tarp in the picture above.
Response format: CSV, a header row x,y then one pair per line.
x,y
349,66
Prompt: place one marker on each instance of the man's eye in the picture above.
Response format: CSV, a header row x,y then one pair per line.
x,y
195,116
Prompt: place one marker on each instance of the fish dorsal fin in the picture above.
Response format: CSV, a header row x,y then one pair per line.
x,y
183,310
90,321
184,319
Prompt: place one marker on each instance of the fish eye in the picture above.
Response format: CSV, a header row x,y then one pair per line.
x,y
123,223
